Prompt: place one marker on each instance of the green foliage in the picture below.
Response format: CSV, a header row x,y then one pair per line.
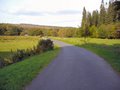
x,y
116,6
89,19
84,17
103,24
102,14
95,18
2,63
70,32
111,31
35,32
54,33
86,23
77,32
93,31
110,17
17,76
10,30
107,31
102,33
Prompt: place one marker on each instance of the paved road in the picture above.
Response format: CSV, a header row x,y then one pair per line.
x,y
76,69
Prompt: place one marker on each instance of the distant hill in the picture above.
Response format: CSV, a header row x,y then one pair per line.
x,y
24,25
40,26
33,30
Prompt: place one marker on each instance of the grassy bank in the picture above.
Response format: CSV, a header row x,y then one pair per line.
x,y
106,48
16,76
8,43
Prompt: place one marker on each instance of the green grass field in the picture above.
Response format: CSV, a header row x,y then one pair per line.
x,y
106,48
8,43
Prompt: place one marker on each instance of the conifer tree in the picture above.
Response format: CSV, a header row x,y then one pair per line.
x,y
95,18
102,13
89,19
84,17
110,14
116,6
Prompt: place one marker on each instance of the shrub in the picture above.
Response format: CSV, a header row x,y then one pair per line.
x,y
45,45
111,32
107,31
93,31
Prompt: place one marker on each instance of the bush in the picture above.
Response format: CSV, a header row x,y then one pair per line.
x,y
111,31
93,32
107,31
45,45
102,32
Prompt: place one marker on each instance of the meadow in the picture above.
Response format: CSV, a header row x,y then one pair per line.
x,y
12,43
109,49
16,76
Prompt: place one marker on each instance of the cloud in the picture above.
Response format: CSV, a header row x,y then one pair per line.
x,y
67,12
2,11
28,13
39,13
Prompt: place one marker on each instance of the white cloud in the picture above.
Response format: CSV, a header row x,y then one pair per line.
x,y
48,12
38,13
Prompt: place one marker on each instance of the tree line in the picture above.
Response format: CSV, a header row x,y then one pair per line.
x,y
23,30
104,23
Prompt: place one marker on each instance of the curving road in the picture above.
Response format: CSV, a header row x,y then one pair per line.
x,y
76,69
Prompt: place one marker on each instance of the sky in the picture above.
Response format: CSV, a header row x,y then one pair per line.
x,y
46,12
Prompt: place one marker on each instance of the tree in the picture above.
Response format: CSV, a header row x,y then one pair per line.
x,y
116,6
102,14
12,30
2,29
55,32
95,18
61,33
93,31
84,18
102,33
85,23
110,14
89,19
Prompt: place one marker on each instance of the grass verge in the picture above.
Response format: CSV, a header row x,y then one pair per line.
x,y
109,49
16,76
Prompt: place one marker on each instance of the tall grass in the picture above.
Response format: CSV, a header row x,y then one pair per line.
x,y
8,43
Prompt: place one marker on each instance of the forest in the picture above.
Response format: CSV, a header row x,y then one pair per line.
x,y
104,23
